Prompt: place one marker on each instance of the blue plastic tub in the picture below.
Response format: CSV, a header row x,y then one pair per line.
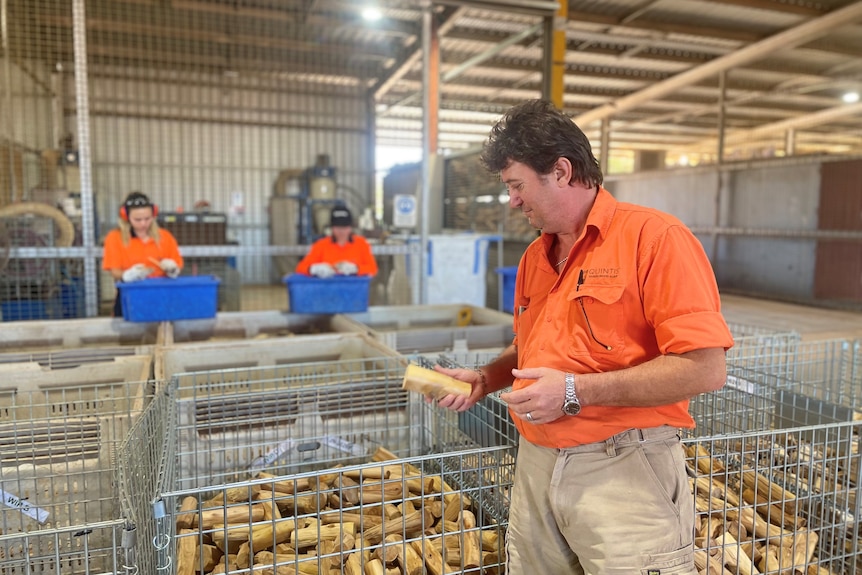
x,y
163,299
338,294
507,276
21,310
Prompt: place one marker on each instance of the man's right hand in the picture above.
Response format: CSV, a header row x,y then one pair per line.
x,y
322,270
460,402
136,273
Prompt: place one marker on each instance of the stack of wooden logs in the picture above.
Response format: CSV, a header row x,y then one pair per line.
x,y
385,520
747,523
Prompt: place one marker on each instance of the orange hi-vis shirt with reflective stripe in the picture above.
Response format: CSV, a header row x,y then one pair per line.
x,y
636,284
118,256
326,250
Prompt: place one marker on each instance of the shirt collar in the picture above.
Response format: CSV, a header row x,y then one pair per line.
x,y
600,216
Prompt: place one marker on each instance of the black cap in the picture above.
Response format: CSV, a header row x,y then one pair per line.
x,y
340,217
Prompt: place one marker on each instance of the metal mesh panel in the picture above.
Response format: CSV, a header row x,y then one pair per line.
x,y
219,428
89,549
58,449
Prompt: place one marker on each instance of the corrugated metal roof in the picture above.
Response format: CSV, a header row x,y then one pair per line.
x,y
616,50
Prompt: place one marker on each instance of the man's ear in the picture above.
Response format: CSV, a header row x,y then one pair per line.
x,y
563,171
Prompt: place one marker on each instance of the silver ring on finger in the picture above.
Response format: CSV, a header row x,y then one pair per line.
x,y
530,416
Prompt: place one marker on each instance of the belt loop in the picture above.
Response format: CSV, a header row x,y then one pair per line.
x,y
610,448
641,437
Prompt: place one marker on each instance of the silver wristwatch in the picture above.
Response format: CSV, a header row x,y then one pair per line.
x,y
571,405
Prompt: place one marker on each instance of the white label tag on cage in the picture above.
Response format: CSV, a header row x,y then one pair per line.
x,y
24,507
342,445
272,455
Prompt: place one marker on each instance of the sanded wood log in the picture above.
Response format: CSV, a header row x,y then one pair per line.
x,y
361,475
490,540
243,556
410,561
708,564
287,486
432,383
411,525
388,552
777,515
229,515
233,495
431,556
734,556
374,567
207,557
774,492
471,546
353,566
187,512
361,520
269,534
186,552
311,536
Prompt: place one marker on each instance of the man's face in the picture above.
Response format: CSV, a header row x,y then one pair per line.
x,y
532,193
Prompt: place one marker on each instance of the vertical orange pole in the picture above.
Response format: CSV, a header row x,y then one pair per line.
x,y
558,55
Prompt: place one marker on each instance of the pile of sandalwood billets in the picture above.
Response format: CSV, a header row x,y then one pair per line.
x,y
748,524
374,520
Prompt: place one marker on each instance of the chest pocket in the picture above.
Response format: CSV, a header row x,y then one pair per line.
x,y
597,319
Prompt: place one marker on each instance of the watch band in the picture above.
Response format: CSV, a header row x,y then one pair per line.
x,y
571,394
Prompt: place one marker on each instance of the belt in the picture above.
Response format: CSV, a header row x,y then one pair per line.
x,y
625,438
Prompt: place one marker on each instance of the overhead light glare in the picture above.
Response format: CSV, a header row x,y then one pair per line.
x,y
372,13
850,97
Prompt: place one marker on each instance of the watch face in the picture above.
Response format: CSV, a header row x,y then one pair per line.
x,y
571,408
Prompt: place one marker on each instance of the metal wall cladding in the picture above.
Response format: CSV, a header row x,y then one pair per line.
x,y
838,270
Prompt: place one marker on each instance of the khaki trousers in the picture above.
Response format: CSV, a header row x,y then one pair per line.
x,y
618,507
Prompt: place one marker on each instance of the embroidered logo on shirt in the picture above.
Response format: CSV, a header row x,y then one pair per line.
x,y
653,571
602,272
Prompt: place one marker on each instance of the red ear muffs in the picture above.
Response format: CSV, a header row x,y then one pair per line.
x,y
124,214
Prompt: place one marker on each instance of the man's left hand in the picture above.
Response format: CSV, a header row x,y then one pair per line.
x,y
542,401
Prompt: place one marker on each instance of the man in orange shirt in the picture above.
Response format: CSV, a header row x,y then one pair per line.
x,y
342,252
137,248
617,325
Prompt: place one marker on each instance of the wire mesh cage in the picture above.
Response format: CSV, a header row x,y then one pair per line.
x,y
437,328
827,370
203,436
93,549
231,358
774,472
58,448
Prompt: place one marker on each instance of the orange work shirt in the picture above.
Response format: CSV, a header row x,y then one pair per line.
x,y
326,250
116,255
636,284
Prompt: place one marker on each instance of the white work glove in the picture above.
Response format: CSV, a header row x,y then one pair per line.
x,y
322,270
170,267
346,268
136,273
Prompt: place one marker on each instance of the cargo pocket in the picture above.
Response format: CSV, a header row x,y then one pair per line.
x,y
679,562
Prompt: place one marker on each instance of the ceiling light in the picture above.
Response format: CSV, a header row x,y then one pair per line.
x,y
372,13
850,97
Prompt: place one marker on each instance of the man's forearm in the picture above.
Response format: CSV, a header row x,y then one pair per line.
x,y
498,373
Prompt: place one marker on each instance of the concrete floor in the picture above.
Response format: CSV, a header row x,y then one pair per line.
x,y
812,323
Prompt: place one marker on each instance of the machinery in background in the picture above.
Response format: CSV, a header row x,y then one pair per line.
x,y
203,228
303,199
36,288
299,208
